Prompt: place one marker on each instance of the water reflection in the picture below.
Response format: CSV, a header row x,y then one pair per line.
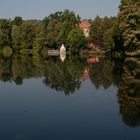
x,y
21,67
101,74
62,57
68,77
63,76
129,92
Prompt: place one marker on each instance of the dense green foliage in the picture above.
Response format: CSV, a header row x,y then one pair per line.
x,y
32,36
17,21
5,33
129,24
101,29
125,34
76,40
119,34
7,51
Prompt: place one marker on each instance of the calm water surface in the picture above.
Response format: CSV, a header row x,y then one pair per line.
x,y
74,100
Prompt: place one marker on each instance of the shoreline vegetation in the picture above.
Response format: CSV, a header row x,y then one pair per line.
x,y
117,36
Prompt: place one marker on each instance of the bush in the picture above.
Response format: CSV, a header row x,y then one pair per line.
x,y
7,51
26,51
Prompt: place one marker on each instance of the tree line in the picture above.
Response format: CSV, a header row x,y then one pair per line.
x,y
112,34
120,33
32,36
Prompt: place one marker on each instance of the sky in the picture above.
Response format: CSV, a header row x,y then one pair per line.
x,y
38,9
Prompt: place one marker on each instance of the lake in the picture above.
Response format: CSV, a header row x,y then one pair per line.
x,y
73,99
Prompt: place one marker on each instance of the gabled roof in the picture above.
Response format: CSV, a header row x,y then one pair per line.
x,y
84,24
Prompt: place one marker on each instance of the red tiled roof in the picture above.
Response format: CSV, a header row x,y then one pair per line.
x,y
84,24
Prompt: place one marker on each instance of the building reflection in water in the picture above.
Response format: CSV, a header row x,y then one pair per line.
x,y
62,57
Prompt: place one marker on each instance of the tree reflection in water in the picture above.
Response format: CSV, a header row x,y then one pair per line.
x,y
129,92
64,76
21,67
67,77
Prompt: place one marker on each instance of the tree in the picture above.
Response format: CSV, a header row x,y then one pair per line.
x,y
23,36
16,37
70,17
100,29
5,33
58,26
39,40
63,34
52,30
108,39
17,21
27,34
129,24
76,40
117,38
96,31
56,16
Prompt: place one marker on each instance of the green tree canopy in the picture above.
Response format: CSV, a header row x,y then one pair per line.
x,y
100,28
129,24
52,30
5,32
17,21
76,40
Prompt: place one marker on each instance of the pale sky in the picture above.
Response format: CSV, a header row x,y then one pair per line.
x,y
38,9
